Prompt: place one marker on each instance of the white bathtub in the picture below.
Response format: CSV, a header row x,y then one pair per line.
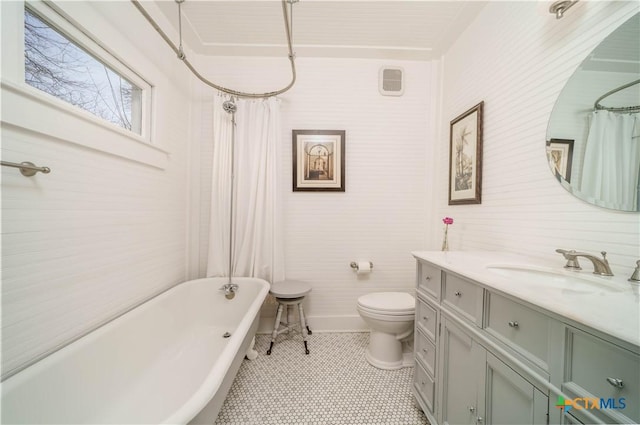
x,y
165,361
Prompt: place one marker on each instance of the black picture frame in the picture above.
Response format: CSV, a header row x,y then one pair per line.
x,y
318,160
465,157
560,156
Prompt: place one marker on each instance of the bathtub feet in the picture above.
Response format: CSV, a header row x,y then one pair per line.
x,y
309,331
269,350
306,350
251,353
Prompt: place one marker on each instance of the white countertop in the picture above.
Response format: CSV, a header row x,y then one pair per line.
x,y
607,304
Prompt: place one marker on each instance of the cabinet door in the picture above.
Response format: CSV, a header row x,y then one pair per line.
x,y
459,368
509,398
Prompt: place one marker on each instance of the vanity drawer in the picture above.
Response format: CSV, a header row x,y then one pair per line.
x,y
426,319
463,296
426,351
424,385
519,326
596,368
429,279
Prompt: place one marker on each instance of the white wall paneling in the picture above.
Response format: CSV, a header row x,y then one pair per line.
x,y
518,68
101,232
380,216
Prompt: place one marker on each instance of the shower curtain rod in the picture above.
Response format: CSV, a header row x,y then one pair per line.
x,y
597,106
180,53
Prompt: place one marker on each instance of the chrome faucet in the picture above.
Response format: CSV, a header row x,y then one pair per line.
x,y
600,265
229,290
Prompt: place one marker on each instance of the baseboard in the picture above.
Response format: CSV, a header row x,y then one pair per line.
x,y
321,324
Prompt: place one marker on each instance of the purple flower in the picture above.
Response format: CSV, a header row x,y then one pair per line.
x,y
447,220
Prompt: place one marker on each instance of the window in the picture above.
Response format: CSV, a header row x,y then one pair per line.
x,y
62,68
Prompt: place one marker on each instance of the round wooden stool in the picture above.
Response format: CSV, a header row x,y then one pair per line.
x,y
289,293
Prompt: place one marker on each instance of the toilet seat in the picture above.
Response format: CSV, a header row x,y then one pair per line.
x,y
388,303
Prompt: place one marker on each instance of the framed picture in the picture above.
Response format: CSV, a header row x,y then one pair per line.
x,y
465,157
560,156
318,160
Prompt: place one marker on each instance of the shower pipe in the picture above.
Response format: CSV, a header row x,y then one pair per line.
x,y
230,107
180,52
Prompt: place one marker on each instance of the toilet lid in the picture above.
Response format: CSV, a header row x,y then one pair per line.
x,y
396,302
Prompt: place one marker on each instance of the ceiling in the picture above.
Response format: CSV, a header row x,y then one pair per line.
x,y
619,52
399,29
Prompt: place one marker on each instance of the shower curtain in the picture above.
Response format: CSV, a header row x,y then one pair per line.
x,y
612,160
257,226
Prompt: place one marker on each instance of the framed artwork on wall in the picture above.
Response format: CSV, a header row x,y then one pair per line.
x,y
318,160
465,157
560,156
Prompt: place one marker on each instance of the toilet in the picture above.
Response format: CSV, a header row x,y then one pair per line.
x,y
390,315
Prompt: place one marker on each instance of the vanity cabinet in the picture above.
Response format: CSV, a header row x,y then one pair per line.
x,y
478,388
484,356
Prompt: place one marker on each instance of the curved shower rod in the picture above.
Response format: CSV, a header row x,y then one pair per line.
x,y
180,53
598,106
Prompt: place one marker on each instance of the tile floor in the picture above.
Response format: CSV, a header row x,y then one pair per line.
x,y
334,384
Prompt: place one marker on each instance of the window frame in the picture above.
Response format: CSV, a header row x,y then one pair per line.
x,y
78,35
87,129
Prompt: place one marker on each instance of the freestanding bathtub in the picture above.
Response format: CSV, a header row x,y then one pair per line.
x,y
166,361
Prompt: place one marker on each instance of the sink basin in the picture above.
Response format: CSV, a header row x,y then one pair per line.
x,y
567,281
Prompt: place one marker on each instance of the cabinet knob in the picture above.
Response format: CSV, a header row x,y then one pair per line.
x,y
458,294
479,419
425,350
615,382
472,409
425,318
427,278
513,324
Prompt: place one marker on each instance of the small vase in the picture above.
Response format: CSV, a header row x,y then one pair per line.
x,y
445,241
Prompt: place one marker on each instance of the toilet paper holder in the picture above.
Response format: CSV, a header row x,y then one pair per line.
x,y
354,265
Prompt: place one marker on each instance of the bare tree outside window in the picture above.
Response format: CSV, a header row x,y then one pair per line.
x,y
58,66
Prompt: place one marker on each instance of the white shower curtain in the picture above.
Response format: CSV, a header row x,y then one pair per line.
x,y
612,160
257,226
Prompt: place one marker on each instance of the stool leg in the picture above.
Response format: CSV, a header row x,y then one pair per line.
x,y
303,328
274,335
288,319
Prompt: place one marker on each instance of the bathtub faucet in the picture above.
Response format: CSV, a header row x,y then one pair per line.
x,y
229,290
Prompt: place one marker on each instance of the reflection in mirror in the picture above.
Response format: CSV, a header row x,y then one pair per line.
x,y
593,138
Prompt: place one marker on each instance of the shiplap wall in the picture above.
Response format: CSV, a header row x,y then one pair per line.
x,y
380,216
100,232
516,57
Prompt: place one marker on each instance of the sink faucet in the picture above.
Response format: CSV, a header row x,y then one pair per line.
x,y
600,265
229,290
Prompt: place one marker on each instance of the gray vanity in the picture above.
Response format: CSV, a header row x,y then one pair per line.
x,y
501,338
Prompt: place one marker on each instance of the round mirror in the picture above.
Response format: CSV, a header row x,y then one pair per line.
x,y
593,137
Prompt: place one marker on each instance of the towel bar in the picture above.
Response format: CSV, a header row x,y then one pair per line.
x,y
27,169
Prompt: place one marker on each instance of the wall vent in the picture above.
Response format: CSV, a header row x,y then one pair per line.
x,y
391,81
